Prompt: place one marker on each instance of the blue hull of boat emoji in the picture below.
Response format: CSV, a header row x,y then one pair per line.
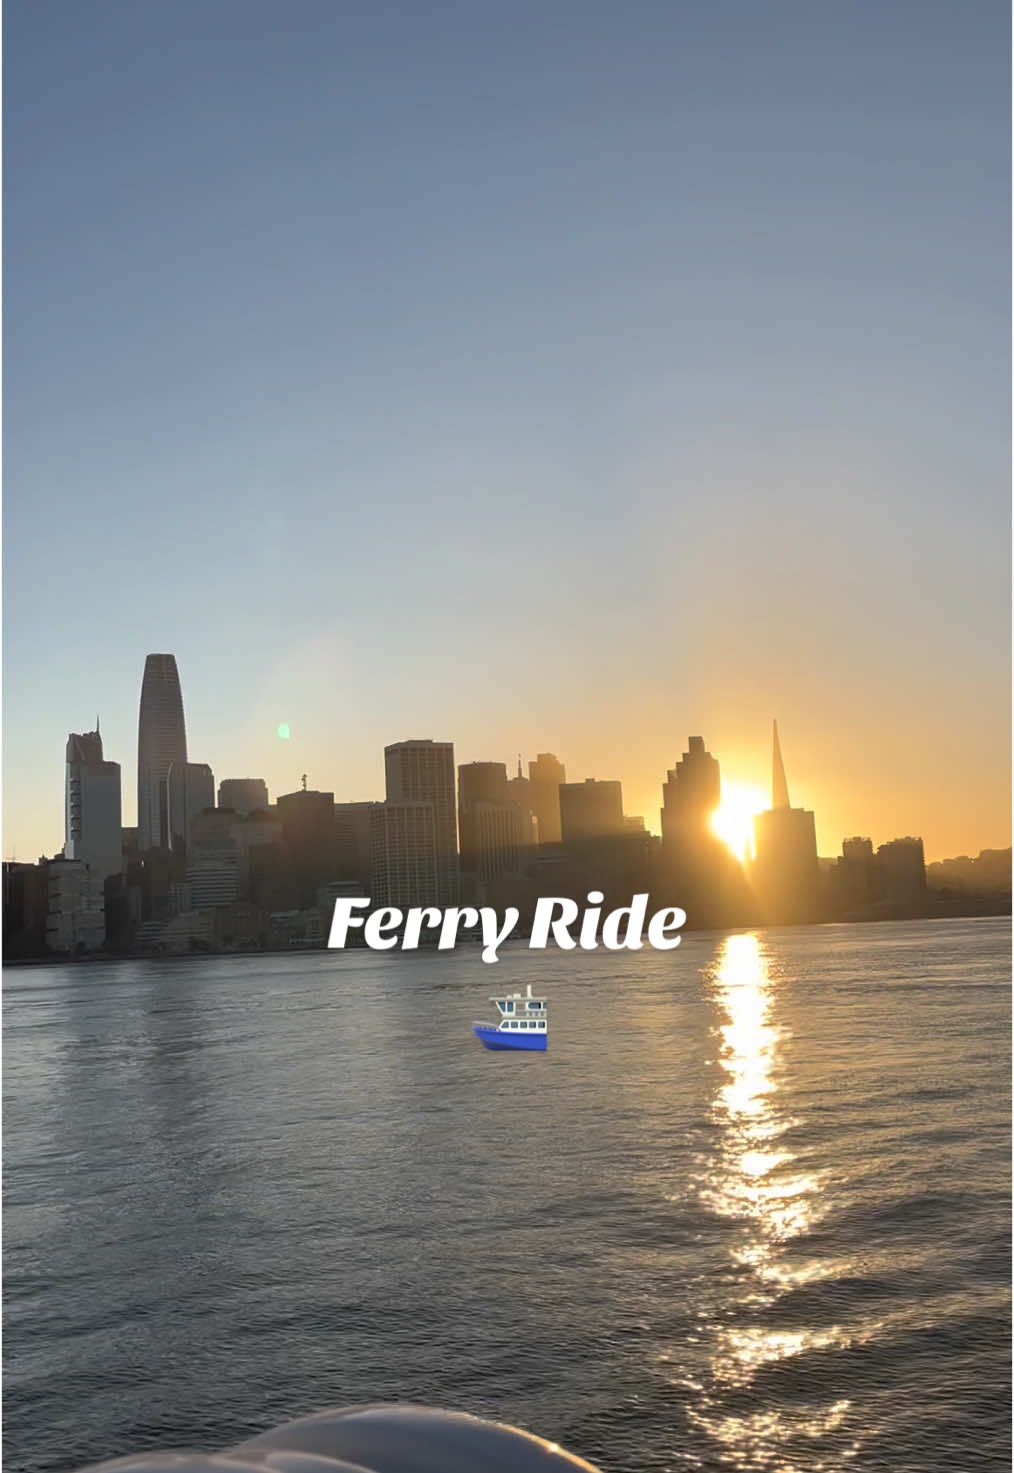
x,y
523,1024
493,1037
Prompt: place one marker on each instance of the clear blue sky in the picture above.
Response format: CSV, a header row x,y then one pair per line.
x,y
538,376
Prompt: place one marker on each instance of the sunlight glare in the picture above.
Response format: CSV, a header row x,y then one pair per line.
x,y
732,821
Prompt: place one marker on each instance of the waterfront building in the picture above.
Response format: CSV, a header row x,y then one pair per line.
x,y
547,775
422,771
191,789
161,741
244,795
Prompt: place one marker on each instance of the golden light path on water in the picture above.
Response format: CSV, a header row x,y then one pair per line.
x,y
754,1179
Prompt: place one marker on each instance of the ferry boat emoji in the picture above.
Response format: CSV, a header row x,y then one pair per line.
x,y
524,1023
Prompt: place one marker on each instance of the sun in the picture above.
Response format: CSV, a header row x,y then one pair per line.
x,y
733,819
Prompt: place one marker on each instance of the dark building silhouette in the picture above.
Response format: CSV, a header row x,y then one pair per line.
x,y
309,841
25,908
521,790
161,741
489,820
853,879
591,810
353,842
785,871
243,795
546,775
901,871
690,796
191,789
696,867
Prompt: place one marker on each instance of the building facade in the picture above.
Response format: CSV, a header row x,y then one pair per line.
x,y
405,857
92,818
422,771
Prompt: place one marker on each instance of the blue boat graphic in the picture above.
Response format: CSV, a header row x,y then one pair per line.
x,y
524,1023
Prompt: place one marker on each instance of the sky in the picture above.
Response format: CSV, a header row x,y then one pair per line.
x,y
568,377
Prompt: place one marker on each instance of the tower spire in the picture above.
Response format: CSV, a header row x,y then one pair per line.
x,y
779,787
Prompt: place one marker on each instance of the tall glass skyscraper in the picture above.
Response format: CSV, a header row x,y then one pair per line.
x,y
161,741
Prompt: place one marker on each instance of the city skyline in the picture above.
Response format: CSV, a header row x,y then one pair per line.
x,y
742,797
659,383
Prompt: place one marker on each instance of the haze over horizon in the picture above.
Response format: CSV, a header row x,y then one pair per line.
x,y
570,381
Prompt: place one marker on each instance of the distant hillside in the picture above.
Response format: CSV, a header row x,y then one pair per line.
x,y
989,874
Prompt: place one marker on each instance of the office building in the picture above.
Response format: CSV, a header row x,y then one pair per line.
x,y
690,796
214,860
489,821
406,859
161,741
309,841
422,771
191,788
784,870
92,832
353,843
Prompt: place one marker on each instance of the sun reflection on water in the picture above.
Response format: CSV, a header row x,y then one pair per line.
x,y
754,1179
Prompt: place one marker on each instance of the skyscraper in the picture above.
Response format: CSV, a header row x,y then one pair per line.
x,y
161,741
690,796
785,844
92,809
546,774
422,771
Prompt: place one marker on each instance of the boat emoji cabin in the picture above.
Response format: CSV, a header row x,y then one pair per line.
x,y
524,1023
